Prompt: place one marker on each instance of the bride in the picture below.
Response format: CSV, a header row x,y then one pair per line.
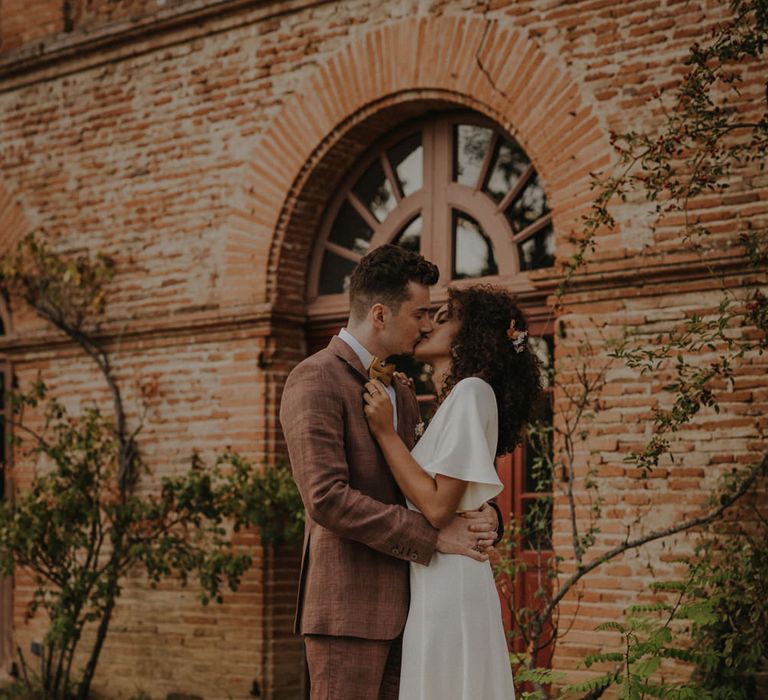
x,y
488,385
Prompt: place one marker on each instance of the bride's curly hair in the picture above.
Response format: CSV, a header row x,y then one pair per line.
x,y
483,348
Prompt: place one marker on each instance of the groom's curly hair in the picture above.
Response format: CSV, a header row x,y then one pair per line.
x,y
483,348
383,276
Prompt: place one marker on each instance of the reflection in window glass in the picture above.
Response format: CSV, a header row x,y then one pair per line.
x,y
375,192
543,348
537,523
509,163
335,273
470,146
538,453
472,249
350,230
529,207
421,373
467,150
407,159
410,237
539,250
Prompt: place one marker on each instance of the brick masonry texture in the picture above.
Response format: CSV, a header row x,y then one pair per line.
x,y
198,143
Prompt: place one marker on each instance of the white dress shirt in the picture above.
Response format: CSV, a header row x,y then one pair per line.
x,y
365,358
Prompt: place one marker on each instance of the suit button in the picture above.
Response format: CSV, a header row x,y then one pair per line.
x,y
414,556
396,551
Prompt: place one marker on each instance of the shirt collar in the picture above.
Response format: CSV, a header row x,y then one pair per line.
x,y
357,346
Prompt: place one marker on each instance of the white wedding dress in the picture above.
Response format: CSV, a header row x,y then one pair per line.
x,y
454,644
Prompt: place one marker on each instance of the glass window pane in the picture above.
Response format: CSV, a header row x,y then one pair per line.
x,y
410,237
407,159
470,146
472,249
350,230
421,374
539,250
335,273
2,327
529,207
509,163
375,192
539,453
544,349
537,523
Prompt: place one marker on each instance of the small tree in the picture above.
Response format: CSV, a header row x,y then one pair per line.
x,y
81,527
705,138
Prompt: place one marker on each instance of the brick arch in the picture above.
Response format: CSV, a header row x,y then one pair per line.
x,y
380,79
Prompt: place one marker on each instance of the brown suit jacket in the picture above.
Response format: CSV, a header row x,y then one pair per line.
x,y
359,536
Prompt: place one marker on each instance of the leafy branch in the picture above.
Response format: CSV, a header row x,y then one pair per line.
x,y
82,527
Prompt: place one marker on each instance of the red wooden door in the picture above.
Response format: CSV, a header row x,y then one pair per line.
x,y
531,584
527,498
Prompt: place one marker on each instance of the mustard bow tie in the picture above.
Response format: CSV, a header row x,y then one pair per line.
x,y
378,370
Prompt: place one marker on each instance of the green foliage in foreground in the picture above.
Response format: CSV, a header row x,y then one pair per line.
x,y
716,624
78,534
733,574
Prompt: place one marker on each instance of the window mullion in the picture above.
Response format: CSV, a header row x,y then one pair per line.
x,y
361,209
343,252
427,214
390,173
440,176
487,162
533,229
519,185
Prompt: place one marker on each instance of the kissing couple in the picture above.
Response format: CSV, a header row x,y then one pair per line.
x,y
397,597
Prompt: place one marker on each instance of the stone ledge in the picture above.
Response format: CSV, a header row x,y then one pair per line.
x,y
261,321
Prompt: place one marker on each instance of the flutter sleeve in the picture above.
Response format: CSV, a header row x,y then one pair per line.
x,y
465,444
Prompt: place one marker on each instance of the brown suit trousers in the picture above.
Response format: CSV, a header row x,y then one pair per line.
x,y
350,667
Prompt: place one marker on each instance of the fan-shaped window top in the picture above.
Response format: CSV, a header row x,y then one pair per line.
x,y
455,188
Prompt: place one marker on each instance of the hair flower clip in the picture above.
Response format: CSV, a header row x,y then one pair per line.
x,y
517,337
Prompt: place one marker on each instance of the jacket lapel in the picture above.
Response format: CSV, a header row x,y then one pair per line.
x,y
399,403
402,398
339,348
405,426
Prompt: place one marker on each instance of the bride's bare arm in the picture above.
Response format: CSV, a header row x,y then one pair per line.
x,y
437,498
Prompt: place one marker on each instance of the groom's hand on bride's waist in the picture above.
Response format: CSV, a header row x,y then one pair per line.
x,y
470,533
485,522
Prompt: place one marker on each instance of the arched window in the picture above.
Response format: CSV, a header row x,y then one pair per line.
x,y
454,187
462,192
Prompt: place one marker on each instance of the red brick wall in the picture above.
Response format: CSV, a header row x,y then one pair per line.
x,y
679,488
24,22
201,155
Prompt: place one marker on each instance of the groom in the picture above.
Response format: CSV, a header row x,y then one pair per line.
x,y
359,536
